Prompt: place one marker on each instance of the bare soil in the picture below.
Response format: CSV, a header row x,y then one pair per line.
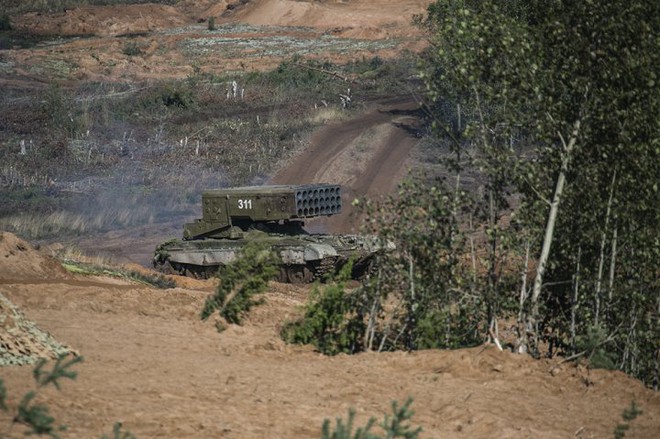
x,y
151,364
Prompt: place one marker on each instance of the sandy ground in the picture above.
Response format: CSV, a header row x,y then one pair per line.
x,y
151,364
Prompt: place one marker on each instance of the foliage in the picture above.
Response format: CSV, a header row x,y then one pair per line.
x,y
132,48
240,281
33,415
593,343
93,269
36,416
332,321
394,426
446,286
548,107
629,414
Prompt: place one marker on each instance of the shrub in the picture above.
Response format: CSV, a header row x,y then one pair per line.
x,y
240,282
332,322
132,49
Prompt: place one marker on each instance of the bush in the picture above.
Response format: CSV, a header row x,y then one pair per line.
x,y
132,49
240,282
332,322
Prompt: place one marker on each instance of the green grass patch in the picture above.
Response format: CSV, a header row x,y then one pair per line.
x,y
91,269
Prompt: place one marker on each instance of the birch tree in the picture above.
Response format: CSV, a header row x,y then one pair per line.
x,y
564,98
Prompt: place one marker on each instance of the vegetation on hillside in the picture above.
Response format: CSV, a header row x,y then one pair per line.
x,y
102,155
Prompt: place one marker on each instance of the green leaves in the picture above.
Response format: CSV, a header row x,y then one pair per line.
x,y
394,426
35,416
240,281
332,322
61,369
524,75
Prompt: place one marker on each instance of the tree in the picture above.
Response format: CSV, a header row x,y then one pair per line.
x,y
565,97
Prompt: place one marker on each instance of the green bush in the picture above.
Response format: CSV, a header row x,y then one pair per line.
x,y
240,281
332,322
593,343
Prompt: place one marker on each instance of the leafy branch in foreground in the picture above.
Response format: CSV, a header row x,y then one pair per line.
x,y
240,281
33,415
395,426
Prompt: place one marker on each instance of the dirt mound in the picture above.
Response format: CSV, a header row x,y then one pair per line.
x,y
21,341
19,260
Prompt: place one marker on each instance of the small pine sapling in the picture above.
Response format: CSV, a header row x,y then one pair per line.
x,y
394,426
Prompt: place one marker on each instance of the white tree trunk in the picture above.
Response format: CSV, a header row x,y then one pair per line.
x,y
601,260
550,227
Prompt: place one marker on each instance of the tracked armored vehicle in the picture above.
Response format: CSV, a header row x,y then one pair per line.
x,y
274,215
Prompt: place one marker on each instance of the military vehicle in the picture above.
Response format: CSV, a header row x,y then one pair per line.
x,y
275,215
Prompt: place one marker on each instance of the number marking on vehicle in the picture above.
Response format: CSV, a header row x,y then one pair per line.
x,y
245,204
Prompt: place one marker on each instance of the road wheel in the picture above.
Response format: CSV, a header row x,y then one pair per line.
x,y
299,274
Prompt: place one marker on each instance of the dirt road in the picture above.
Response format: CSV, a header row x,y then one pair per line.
x,y
367,155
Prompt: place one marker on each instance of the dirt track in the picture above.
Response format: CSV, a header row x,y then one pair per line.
x,y
153,365
367,155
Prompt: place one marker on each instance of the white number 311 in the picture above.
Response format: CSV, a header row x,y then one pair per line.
x,y
245,204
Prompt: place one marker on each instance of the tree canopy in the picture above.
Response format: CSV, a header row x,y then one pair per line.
x,y
558,101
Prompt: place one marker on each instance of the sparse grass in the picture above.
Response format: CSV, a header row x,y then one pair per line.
x,y
77,263
66,223
157,145
276,41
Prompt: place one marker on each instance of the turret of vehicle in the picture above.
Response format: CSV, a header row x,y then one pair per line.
x,y
275,215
